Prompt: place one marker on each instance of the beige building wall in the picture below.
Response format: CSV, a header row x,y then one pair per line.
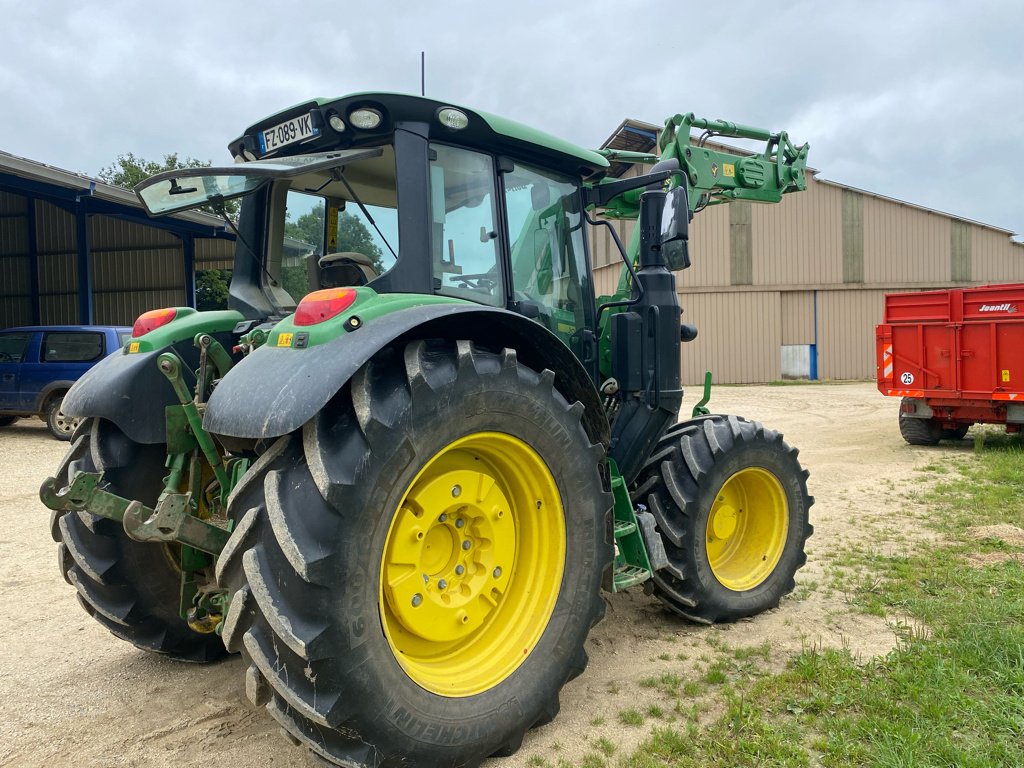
x,y
812,270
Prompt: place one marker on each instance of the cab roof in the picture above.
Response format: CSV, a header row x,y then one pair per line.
x,y
484,131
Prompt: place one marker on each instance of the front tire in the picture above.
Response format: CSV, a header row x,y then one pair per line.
x,y
130,587
730,502
439,461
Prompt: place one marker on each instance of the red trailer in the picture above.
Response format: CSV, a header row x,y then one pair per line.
x,y
956,357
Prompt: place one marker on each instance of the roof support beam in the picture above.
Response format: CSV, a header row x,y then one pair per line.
x,y
85,303
188,249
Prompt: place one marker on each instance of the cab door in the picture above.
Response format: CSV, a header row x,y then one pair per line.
x,y
551,278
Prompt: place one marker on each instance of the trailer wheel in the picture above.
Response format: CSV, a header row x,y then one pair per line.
x,y
730,502
958,433
414,572
129,587
920,431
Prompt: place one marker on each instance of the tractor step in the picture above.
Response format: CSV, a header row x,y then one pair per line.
x,y
623,529
627,576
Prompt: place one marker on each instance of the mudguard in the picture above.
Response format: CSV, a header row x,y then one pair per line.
x,y
274,391
130,391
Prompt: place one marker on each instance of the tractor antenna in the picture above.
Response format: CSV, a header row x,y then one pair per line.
x,y
423,73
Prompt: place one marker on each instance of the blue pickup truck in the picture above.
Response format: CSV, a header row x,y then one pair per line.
x,y
38,365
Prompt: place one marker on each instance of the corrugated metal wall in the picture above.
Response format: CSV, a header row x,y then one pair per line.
x,y
15,301
58,264
134,267
830,248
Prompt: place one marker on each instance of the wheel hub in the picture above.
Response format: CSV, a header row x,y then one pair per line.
x,y
472,566
445,552
747,529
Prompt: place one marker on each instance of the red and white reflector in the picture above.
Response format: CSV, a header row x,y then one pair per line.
x,y
319,306
150,321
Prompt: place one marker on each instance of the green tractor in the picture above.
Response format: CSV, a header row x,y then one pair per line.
x,y
398,472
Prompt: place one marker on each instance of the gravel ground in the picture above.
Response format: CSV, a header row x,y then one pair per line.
x,y
72,694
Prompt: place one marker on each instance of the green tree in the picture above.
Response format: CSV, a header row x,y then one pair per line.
x,y
353,234
212,289
129,170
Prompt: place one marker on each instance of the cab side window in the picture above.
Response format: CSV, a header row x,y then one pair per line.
x,y
464,236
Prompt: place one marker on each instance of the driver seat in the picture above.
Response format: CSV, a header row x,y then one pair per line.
x,y
344,269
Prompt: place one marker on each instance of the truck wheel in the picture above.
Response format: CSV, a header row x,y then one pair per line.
x,y
60,426
129,587
920,431
415,571
730,502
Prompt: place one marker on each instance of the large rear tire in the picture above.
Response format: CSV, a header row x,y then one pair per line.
x,y
730,502
129,587
414,572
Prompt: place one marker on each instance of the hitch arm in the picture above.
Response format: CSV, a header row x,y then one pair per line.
x,y
170,521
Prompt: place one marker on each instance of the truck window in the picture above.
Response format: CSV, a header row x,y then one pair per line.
x,y
549,267
12,347
72,347
464,241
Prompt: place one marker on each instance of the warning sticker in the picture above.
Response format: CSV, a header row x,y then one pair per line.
x,y
907,378
1006,376
284,339
133,347
728,169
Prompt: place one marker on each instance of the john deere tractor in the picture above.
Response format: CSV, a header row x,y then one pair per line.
x,y
397,473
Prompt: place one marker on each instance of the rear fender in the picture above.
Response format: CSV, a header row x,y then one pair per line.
x,y
274,391
128,389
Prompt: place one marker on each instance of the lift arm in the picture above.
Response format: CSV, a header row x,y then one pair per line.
x,y
716,175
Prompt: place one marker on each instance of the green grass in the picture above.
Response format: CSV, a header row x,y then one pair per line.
x,y
950,694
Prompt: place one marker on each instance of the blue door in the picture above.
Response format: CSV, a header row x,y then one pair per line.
x,y
13,348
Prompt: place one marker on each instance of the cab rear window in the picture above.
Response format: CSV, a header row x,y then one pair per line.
x,y
72,347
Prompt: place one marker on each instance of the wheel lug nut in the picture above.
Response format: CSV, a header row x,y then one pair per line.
x,y
466,545
442,584
459,570
443,517
456,491
416,600
459,523
497,572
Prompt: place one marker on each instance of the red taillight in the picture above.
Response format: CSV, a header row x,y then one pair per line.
x,y
323,305
149,321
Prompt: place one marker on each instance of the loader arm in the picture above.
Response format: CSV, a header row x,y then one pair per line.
x,y
716,175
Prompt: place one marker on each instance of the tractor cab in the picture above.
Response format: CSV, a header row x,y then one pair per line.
x,y
405,195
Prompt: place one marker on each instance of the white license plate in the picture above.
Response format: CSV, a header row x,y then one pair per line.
x,y
289,132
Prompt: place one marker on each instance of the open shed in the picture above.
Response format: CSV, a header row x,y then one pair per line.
x,y
76,250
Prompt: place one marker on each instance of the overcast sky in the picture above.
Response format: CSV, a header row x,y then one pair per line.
x,y
921,101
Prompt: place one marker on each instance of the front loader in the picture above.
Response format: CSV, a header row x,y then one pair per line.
x,y
397,473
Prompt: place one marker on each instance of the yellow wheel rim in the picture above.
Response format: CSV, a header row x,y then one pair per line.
x,y
472,564
747,527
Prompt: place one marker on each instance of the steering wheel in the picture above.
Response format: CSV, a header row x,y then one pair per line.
x,y
484,281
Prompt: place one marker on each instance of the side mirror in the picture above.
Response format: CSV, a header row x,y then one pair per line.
x,y
675,229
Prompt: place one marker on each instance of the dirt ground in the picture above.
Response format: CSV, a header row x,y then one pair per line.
x,y
72,694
